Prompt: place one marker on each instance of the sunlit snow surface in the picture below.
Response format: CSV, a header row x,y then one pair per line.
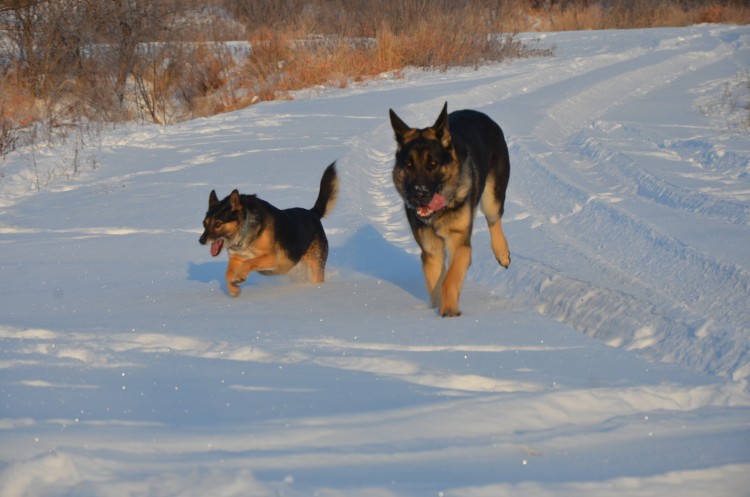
x,y
611,359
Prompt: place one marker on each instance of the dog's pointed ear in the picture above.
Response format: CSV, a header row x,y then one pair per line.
x,y
399,127
441,127
212,199
234,200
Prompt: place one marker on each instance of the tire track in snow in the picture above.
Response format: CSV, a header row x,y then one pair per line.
x,y
648,289
371,186
654,288
617,168
621,85
630,249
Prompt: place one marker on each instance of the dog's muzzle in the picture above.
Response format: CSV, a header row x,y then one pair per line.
x,y
421,195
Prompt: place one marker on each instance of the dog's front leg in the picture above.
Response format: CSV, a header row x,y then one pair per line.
x,y
266,262
233,271
433,268
433,262
460,259
239,268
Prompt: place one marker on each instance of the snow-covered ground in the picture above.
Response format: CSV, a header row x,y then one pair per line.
x,y
611,359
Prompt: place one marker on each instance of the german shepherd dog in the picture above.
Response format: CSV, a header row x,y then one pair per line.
x,y
443,172
260,237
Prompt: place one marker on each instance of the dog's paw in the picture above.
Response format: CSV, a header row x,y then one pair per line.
x,y
504,261
449,312
233,290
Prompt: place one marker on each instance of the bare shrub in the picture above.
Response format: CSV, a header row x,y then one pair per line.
x,y
387,37
7,136
264,69
727,102
456,39
626,14
77,61
206,75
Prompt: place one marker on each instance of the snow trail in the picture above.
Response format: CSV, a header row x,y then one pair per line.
x,y
570,175
610,360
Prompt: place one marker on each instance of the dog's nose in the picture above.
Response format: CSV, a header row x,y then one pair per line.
x,y
422,193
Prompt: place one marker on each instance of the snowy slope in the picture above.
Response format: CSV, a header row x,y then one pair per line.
x,y
610,359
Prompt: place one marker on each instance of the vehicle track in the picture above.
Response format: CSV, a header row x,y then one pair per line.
x,y
583,251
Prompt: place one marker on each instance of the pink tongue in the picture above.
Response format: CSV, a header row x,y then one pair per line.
x,y
216,247
437,203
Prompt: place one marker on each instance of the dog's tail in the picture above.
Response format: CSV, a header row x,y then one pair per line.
x,y
329,191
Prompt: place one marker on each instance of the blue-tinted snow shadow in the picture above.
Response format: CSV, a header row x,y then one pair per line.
x,y
369,253
206,272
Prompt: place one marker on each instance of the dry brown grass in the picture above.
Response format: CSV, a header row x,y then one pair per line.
x,y
164,69
627,14
17,105
281,62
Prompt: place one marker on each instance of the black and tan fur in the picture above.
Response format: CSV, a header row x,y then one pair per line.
x,y
464,159
260,237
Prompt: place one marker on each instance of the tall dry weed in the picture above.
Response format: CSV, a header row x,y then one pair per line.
x,y
628,14
112,61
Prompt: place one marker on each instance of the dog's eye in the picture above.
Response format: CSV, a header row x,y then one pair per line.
x,y
217,224
409,164
432,165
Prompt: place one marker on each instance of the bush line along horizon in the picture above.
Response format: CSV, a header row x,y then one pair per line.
x,y
69,63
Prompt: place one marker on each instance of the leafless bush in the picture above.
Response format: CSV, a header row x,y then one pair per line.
x,y
65,62
625,14
728,104
8,136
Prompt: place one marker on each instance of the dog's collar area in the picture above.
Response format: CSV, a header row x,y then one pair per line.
x,y
245,230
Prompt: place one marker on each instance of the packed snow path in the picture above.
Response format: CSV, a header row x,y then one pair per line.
x,y
610,359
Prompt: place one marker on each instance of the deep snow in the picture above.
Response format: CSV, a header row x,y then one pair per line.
x,y
610,359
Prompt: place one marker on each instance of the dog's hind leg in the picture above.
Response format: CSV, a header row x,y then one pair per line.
x,y
315,259
499,243
492,207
